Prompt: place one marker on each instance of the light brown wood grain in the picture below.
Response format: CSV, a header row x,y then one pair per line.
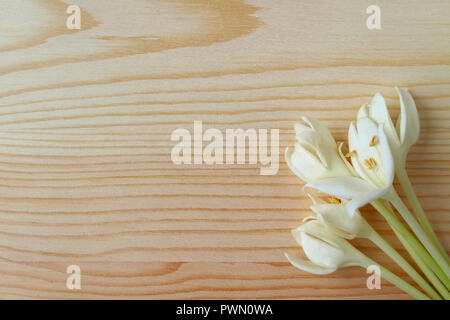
x,y
86,117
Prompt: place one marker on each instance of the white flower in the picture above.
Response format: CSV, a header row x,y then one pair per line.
x,y
407,129
326,251
315,156
372,160
337,219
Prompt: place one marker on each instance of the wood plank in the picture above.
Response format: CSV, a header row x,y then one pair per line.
x,y
86,117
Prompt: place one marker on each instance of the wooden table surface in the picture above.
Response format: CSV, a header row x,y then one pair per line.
x,y
86,117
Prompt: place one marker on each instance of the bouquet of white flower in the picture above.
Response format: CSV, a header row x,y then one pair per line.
x,y
365,175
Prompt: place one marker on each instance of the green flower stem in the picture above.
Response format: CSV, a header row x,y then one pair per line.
x,y
414,248
394,255
426,270
418,210
418,231
392,278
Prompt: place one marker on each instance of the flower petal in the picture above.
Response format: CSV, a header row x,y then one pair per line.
x,y
299,128
321,252
309,140
320,245
380,114
344,159
342,187
305,165
297,234
309,218
408,123
367,129
288,155
365,198
322,130
318,231
358,190
308,266
324,248
337,219
353,141
364,111
314,199
386,156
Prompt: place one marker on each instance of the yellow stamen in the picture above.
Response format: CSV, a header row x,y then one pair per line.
x,y
373,141
350,154
334,200
371,163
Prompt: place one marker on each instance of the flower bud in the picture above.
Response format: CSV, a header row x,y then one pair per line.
x,y
316,156
325,250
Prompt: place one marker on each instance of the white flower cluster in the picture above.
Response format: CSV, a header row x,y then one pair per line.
x,y
363,175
